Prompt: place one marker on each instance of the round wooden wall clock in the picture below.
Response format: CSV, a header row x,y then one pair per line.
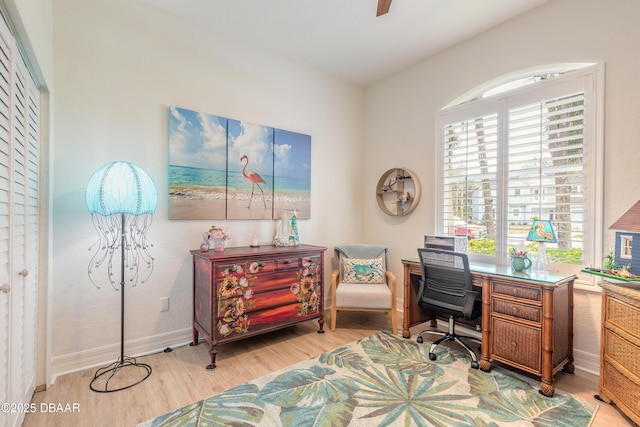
x,y
398,191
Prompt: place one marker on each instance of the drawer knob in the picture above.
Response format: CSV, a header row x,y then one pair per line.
x,y
261,264
515,310
5,288
514,344
287,261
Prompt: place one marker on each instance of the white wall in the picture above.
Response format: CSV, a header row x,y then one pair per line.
x,y
118,65
401,111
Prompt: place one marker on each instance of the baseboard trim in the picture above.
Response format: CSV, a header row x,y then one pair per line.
x,y
74,362
587,362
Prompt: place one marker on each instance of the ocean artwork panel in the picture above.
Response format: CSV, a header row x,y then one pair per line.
x,y
221,168
292,174
197,165
250,177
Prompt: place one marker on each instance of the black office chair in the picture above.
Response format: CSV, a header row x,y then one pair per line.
x,y
446,288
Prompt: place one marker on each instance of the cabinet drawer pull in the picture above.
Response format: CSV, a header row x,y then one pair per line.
x,y
514,344
287,261
261,264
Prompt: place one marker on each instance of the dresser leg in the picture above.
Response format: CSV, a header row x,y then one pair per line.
x,y
568,368
212,353
195,337
321,325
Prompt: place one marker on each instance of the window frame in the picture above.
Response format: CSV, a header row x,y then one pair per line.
x,y
592,77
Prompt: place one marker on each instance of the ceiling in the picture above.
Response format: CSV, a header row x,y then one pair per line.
x,y
344,37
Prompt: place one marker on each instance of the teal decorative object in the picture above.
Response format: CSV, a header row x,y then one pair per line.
x,y
520,263
294,238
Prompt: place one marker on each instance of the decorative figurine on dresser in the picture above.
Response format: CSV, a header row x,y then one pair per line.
x,y
247,291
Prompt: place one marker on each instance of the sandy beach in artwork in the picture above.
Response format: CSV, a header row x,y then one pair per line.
x,y
197,202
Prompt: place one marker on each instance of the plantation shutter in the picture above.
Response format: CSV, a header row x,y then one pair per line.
x,y
545,166
470,175
521,155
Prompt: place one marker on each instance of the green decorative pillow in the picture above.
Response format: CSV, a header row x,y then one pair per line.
x,y
359,270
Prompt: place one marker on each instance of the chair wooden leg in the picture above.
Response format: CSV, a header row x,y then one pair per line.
x,y
334,312
394,320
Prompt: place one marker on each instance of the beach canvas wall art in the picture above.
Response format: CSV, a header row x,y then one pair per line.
x,y
197,165
250,174
221,168
292,174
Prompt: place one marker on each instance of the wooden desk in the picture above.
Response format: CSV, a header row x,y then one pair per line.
x,y
527,318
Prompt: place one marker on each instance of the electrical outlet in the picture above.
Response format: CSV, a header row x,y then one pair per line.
x,y
164,304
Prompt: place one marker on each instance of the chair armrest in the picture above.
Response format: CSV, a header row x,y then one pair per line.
x,y
391,282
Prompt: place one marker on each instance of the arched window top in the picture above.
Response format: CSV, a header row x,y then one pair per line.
x,y
516,79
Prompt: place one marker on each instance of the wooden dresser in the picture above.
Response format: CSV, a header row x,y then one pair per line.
x,y
620,348
242,292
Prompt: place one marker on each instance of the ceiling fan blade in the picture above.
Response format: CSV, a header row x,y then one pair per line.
x,y
383,7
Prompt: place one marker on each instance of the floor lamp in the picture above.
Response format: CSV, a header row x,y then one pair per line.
x,y
542,232
121,198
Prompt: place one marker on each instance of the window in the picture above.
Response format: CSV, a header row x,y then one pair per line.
x,y
626,242
527,153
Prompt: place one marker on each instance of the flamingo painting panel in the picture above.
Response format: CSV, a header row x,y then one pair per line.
x,y
250,176
292,174
197,165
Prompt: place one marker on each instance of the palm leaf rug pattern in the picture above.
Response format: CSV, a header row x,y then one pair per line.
x,y
384,380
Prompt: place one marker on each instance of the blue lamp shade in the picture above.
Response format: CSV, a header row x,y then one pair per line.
x,y
542,231
121,187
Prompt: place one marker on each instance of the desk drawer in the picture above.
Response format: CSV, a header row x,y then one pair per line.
x,y
516,290
517,310
517,344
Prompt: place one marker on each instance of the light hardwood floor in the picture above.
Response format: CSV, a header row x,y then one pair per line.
x,y
179,377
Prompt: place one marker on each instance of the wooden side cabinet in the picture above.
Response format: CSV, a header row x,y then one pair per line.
x,y
243,292
620,348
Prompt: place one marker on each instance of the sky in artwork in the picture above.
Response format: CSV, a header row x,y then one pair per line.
x,y
196,139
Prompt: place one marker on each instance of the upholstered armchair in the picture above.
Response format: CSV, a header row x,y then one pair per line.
x,y
361,281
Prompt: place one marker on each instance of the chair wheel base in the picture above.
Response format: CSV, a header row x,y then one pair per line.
x,y
419,340
432,356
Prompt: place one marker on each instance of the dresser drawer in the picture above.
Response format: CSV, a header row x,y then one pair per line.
x,y
239,305
517,344
250,323
622,351
242,268
511,289
623,316
290,263
622,390
517,310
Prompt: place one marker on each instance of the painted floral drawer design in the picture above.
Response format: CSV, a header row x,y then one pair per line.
x,y
254,297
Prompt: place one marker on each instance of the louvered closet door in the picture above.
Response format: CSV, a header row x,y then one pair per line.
x,y
5,220
19,166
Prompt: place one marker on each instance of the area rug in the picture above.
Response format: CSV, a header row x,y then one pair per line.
x,y
384,380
